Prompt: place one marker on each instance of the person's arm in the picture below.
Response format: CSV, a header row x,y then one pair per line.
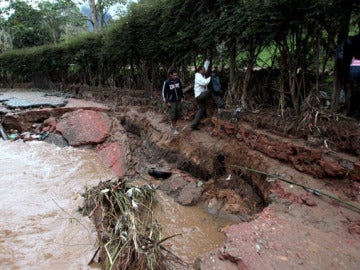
x,y
199,79
206,64
165,93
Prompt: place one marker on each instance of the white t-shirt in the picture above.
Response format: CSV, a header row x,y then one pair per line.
x,y
200,84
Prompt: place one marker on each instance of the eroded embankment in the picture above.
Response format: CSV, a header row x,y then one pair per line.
x,y
269,241
208,161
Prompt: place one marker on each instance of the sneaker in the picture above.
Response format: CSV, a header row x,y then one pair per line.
x,y
176,132
195,128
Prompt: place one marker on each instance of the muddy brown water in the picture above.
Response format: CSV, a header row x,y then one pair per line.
x,y
40,226
41,187
198,231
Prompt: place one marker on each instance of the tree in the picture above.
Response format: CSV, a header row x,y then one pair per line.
x,y
99,10
61,19
24,26
48,23
5,38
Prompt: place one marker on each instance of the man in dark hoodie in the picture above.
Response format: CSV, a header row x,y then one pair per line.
x,y
173,95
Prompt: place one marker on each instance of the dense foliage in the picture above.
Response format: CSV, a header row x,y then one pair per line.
x,y
49,23
270,53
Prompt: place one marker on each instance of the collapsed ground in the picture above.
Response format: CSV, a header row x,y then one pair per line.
x,y
296,218
298,228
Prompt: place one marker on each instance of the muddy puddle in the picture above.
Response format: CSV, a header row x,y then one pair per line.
x,y
40,226
199,231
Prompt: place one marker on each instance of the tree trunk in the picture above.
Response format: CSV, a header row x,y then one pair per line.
x,y
253,54
145,79
232,64
246,83
231,95
94,17
283,76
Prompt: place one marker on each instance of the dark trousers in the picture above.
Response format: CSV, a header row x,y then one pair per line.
x,y
354,108
355,74
201,101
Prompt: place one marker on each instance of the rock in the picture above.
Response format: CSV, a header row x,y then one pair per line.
x,y
50,124
309,201
84,127
213,261
355,174
332,167
232,254
112,156
173,185
189,195
57,139
229,128
214,206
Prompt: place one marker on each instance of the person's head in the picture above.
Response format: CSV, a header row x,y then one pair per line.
x,y
173,74
214,71
201,70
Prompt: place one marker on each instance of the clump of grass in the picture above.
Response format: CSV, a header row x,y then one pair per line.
x,y
129,237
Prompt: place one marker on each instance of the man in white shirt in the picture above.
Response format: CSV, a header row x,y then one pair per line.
x,y
201,94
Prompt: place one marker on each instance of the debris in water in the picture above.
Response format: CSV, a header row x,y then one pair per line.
x,y
159,174
3,134
122,213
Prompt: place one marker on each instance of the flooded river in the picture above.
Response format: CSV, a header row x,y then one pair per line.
x,y
40,192
40,226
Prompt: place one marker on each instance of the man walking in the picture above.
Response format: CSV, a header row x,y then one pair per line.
x,y
173,95
201,94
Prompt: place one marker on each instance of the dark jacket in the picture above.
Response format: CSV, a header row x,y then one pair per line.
x,y
172,91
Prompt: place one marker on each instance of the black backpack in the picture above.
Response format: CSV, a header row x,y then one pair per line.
x,y
215,82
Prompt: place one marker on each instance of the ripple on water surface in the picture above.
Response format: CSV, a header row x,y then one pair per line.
x,y
40,192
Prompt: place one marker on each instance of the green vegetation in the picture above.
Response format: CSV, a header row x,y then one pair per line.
x,y
50,23
292,42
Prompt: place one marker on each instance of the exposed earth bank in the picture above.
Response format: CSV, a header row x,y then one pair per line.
x,y
276,224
